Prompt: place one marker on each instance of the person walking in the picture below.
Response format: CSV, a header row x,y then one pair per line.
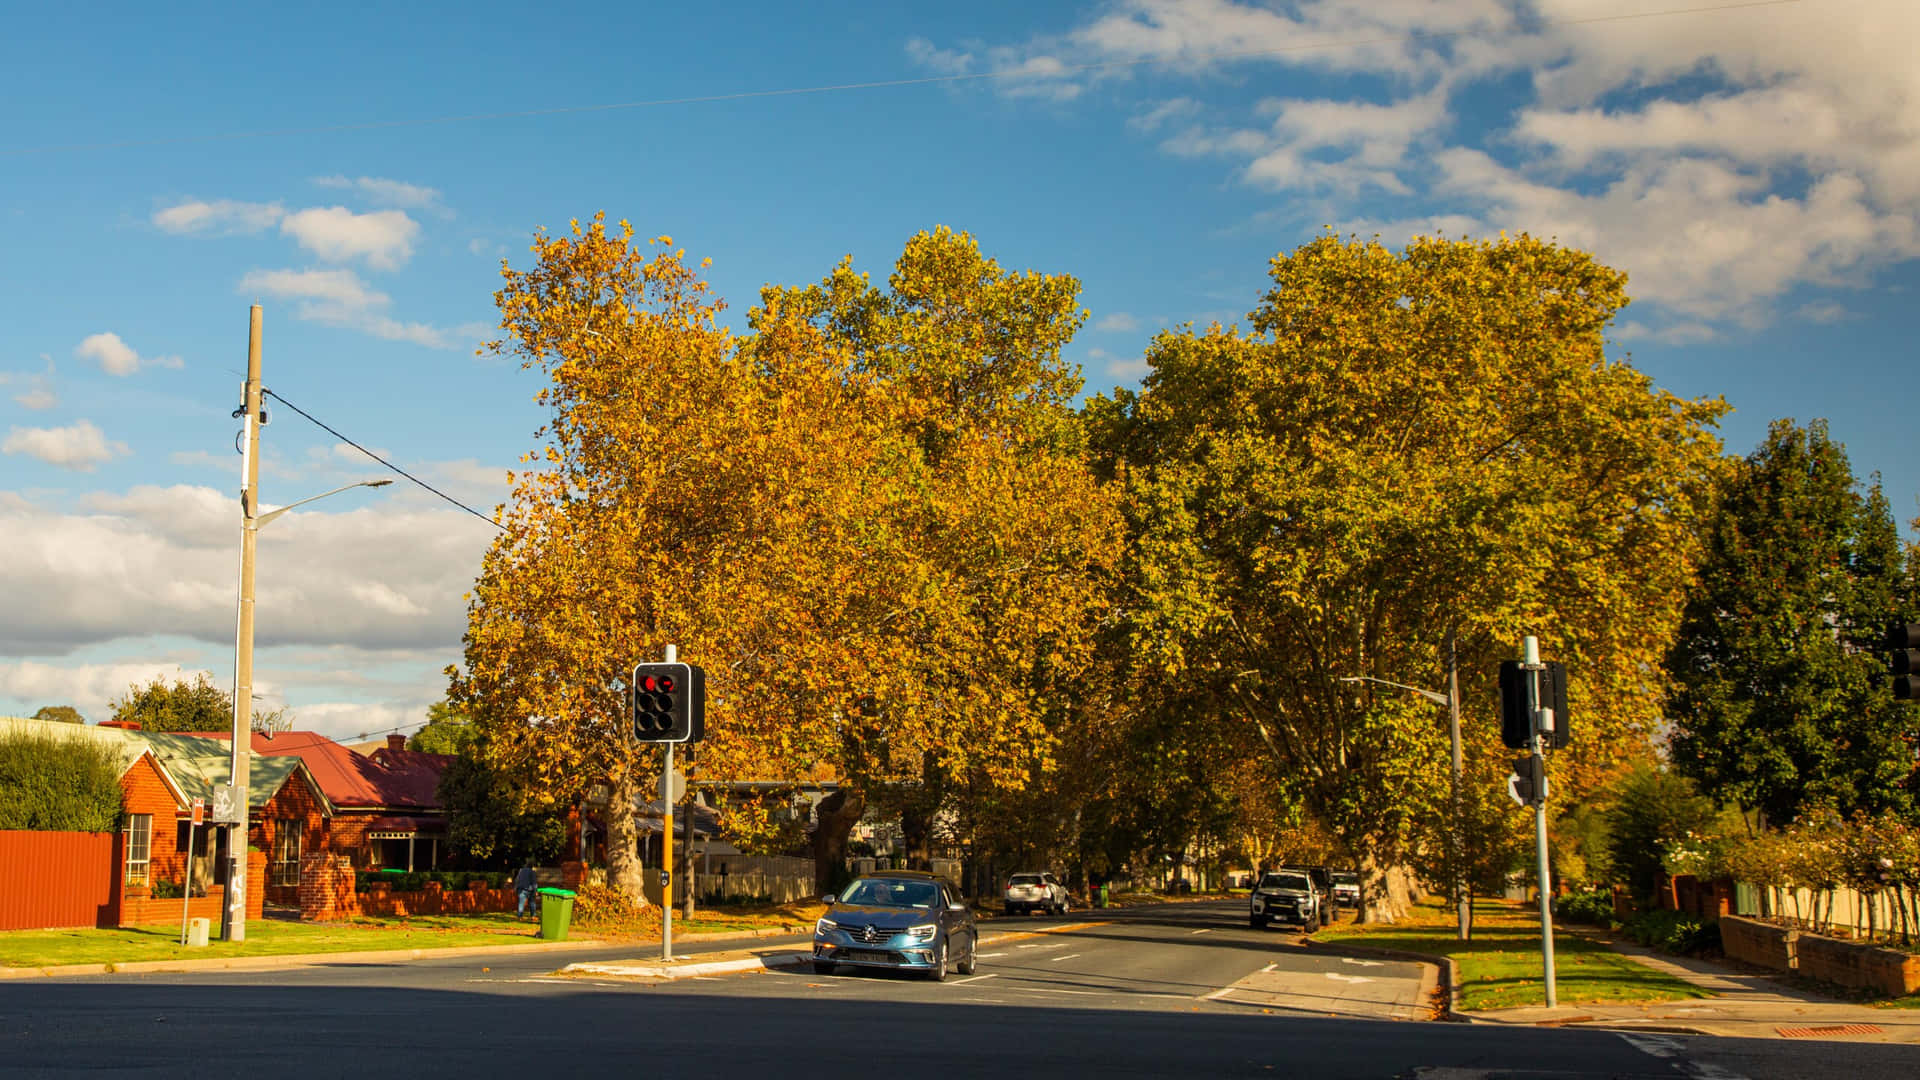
x,y
524,883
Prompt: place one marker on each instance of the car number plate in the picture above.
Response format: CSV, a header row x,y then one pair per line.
x,y
863,956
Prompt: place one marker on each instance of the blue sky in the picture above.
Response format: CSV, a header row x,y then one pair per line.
x,y
362,170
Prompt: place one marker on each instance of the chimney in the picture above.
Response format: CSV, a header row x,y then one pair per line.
x,y
127,725
396,742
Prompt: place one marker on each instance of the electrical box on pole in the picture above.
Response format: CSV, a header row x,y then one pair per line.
x,y
1520,713
1903,659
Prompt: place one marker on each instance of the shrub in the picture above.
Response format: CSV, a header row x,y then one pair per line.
x,y
1589,907
607,910
416,880
167,890
1674,932
52,784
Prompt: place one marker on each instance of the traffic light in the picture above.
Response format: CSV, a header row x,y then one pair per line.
x,y
1903,662
1516,722
1527,783
669,702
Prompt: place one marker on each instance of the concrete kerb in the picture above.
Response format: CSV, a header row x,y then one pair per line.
x,y
361,956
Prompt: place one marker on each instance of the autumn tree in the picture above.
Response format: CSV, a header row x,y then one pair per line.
x,y
993,550
64,714
1780,700
687,493
1406,443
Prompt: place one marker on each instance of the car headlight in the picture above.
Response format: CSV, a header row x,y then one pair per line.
x,y
1258,903
824,925
923,932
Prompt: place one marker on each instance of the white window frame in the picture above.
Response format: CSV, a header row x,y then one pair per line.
x,y
139,849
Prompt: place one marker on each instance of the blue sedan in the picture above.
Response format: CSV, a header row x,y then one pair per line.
x,y
900,919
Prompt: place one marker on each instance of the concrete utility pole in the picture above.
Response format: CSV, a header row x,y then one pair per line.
x,y
234,926
666,840
1453,834
1542,722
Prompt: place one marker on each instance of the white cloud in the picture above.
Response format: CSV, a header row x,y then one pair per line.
x,y
1684,333
1117,322
1722,158
383,238
223,216
79,446
91,688
340,298
387,192
944,61
1825,312
375,574
114,356
38,394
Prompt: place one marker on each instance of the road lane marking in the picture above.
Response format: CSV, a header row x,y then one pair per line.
x,y
1052,945
988,955
1348,978
1045,990
1218,994
1204,930
975,978
1057,959
1363,963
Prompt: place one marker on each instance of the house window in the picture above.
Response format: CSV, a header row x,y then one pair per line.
x,y
139,847
286,852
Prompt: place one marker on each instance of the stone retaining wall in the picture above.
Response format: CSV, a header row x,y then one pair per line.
x,y
1890,972
1759,943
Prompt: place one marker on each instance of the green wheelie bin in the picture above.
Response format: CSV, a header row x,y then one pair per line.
x,y
556,913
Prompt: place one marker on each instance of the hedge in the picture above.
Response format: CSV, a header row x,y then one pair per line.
x,y
50,784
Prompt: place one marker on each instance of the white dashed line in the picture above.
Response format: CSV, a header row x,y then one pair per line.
x,y
974,979
1202,930
1057,959
1052,945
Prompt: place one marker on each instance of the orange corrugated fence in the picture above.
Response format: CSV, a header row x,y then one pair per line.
x,y
58,879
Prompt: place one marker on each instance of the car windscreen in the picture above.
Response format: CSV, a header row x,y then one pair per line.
x,y
1024,879
1286,881
885,892
1346,879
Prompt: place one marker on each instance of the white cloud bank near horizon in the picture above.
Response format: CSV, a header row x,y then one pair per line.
x,y
1724,158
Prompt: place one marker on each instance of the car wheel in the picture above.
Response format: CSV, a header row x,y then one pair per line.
x,y
965,967
1066,904
938,973
824,967
1009,909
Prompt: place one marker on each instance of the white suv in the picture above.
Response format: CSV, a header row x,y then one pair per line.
x,y
1037,891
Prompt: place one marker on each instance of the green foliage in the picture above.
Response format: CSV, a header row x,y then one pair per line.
x,y
1594,908
55,784
65,714
1780,698
1653,808
167,889
177,705
486,824
447,731
1674,932
414,881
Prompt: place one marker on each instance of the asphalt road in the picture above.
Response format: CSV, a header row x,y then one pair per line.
x,y
1150,992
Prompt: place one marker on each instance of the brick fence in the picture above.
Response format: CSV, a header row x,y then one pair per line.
x,y
327,895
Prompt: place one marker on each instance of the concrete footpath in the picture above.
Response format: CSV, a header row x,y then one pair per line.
x,y
1744,1005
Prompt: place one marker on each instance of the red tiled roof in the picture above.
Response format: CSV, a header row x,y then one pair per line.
x,y
402,780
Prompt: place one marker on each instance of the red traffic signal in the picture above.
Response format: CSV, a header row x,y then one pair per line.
x,y
668,703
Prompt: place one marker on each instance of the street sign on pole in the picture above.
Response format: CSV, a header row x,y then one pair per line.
x,y
228,809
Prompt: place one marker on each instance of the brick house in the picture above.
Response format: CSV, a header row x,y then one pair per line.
x,y
379,810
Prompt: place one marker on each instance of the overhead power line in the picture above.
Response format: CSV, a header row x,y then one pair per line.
x,y
324,427
1011,75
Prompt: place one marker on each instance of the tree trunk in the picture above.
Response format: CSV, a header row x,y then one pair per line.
x,y
624,871
684,849
838,814
1386,891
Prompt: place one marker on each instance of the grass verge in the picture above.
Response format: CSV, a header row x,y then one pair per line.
x,y
265,937
1500,967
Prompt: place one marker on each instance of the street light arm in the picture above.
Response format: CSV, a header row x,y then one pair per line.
x,y
1430,695
271,514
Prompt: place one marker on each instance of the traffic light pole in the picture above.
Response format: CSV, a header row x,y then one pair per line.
x,y
666,840
1531,655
